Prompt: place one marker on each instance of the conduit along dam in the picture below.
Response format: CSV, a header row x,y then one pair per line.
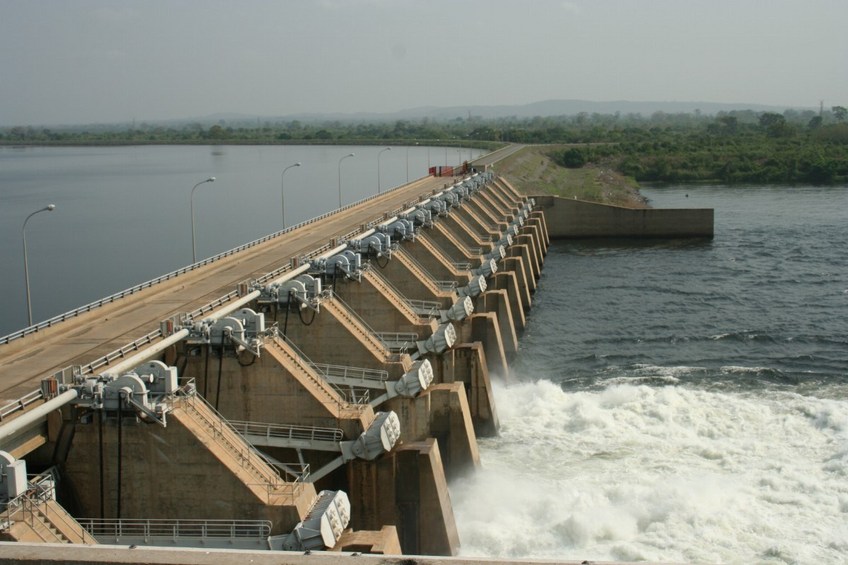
x,y
312,391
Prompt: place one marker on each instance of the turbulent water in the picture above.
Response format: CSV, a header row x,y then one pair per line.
x,y
680,400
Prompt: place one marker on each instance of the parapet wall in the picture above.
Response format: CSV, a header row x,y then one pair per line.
x,y
578,219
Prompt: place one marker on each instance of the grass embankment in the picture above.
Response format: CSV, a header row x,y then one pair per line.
x,y
533,171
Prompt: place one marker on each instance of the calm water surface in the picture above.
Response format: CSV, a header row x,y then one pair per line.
x,y
123,213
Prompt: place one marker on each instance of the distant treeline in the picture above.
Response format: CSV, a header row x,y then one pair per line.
x,y
731,147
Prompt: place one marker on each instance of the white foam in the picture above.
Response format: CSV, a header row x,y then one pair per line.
x,y
662,474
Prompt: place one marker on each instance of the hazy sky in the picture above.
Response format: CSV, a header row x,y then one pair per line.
x,y
82,61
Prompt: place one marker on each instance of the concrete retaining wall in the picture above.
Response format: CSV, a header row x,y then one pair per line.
x,y
577,219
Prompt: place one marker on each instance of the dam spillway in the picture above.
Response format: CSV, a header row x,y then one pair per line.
x,y
316,390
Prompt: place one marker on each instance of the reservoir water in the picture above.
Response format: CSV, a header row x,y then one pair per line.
x,y
123,216
680,401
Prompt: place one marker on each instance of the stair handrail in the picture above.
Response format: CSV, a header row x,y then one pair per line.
x,y
432,307
243,456
441,285
458,265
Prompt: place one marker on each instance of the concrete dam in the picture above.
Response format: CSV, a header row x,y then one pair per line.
x,y
315,390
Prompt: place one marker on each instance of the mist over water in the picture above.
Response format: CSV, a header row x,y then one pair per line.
x,y
679,401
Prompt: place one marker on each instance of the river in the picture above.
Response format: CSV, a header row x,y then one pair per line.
x,y
679,401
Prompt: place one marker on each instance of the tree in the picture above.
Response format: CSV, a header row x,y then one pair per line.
x,y
216,132
774,124
840,113
573,158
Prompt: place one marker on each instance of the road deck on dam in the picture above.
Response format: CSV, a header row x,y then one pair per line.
x,y
79,340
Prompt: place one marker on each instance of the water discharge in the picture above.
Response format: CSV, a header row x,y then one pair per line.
x,y
679,401
636,472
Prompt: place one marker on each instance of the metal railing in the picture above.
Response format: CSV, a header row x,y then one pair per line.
x,y
175,530
399,341
354,317
302,360
425,308
21,403
31,508
64,373
166,277
247,456
285,431
441,285
353,395
355,373
467,251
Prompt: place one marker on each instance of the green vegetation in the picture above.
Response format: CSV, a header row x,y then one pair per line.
x,y
534,170
770,152
732,147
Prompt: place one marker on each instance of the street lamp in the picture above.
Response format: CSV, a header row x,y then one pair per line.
x,y
283,191
340,175
191,202
48,208
379,182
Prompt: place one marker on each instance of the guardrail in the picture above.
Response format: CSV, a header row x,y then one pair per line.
x,y
21,403
139,287
356,373
245,454
40,490
399,342
285,431
63,374
113,529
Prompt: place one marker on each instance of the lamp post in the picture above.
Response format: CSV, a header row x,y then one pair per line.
x,y
283,191
379,181
340,175
191,202
48,208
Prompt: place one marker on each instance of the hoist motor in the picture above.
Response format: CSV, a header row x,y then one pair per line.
x,y
347,262
375,245
401,228
420,217
304,290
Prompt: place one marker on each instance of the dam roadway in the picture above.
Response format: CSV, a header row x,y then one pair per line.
x,y
79,340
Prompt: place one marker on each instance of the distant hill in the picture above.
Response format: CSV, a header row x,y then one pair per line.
x,y
544,108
